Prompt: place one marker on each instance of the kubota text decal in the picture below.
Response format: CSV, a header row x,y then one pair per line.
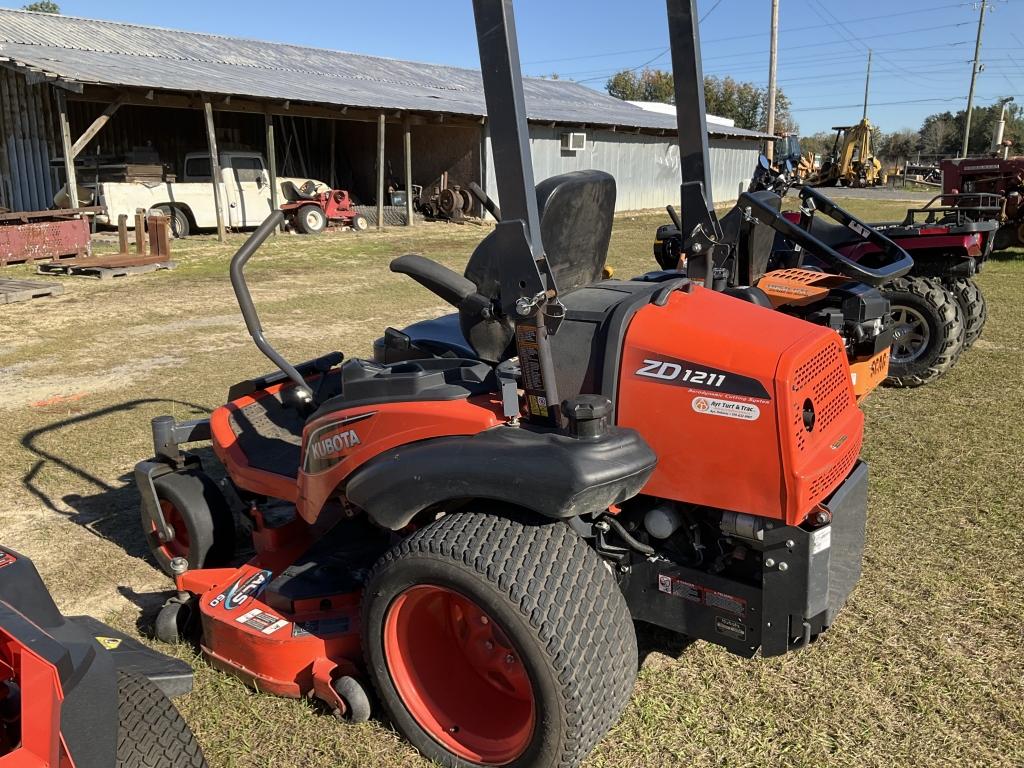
x,y
328,444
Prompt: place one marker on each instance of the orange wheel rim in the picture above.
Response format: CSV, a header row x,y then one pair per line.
x,y
459,675
178,546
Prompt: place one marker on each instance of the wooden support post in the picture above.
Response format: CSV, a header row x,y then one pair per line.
x,y
140,231
122,233
69,155
407,152
333,176
97,125
380,171
211,140
268,120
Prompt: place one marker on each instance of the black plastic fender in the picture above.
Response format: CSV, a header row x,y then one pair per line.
x,y
552,474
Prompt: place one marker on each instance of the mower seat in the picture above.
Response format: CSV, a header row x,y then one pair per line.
x,y
834,235
576,212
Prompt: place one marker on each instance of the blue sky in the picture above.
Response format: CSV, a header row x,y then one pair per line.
x,y
921,63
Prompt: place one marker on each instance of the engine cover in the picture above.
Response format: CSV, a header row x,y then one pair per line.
x,y
747,409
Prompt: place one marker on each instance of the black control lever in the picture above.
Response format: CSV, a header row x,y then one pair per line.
x,y
252,319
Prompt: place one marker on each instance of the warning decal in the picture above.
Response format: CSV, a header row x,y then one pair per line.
x,y
720,601
267,623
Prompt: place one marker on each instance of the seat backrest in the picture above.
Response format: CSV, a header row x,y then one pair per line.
x,y
752,241
576,212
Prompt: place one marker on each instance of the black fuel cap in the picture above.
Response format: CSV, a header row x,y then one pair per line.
x,y
587,415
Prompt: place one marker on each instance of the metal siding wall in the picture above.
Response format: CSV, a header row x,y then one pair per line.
x,y
28,139
646,168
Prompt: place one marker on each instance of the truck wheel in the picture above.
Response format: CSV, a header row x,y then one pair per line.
x,y
972,307
493,641
180,226
928,334
151,733
310,219
204,529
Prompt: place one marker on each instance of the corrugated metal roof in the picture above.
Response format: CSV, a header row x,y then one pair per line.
x,y
119,54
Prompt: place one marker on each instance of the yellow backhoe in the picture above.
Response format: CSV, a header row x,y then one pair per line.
x,y
851,162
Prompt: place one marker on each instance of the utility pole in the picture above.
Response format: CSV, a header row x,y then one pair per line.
x,y
773,61
867,82
974,76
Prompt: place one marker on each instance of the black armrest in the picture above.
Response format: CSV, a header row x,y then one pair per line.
x,y
437,278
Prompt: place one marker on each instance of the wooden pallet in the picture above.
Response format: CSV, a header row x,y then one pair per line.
x,y
23,290
80,269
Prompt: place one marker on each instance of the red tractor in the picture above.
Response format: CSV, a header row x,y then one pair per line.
x,y
981,182
315,207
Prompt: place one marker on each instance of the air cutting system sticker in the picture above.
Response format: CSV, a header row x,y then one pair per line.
x,y
732,409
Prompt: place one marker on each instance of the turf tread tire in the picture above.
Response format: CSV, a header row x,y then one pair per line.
x,y
973,308
930,295
151,733
566,595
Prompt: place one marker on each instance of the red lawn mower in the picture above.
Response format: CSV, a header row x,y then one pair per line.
x,y
75,693
314,208
474,534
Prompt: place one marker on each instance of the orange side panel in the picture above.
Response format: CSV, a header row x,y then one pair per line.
x,y
715,385
337,443
868,374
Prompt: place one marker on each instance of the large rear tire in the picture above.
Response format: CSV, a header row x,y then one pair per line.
x,y
972,307
929,333
204,529
151,733
494,641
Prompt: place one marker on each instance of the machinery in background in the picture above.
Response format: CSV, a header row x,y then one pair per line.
x,y
445,202
851,163
75,692
975,183
313,206
748,263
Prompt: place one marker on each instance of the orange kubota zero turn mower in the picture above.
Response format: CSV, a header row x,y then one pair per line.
x,y
474,529
75,693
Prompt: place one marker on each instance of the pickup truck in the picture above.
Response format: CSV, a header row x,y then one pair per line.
x,y
244,191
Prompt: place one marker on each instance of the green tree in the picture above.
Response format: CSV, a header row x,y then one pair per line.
x,y
899,146
648,85
625,85
44,6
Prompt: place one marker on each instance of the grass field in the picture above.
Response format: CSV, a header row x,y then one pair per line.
x,y
924,667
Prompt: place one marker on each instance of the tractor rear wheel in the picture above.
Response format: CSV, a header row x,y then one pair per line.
x,y
151,733
311,219
203,526
928,334
972,306
495,641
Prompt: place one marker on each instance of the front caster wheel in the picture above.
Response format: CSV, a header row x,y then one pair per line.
x,y
357,703
177,621
494,641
